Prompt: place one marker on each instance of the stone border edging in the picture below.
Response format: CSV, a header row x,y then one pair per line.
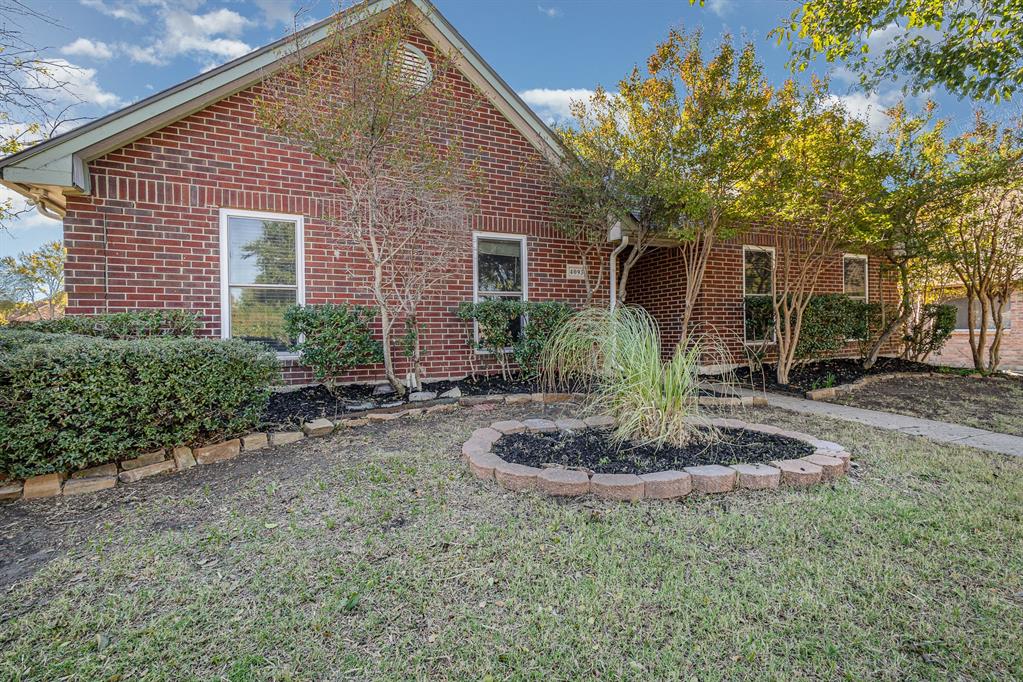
x,y
828,462
110,475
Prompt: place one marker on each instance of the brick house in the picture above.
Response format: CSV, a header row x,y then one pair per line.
x,y
159,199
957,353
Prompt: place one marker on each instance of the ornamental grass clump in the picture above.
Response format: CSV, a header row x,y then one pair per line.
x,y
616,356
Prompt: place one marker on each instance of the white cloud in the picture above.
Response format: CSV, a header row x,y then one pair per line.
x,y
720,7
123,11
552,104
869,107
83,47
74,84
551,12
277,12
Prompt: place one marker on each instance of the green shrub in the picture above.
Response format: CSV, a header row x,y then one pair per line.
x,y
333,338
134,324
542,319
500,329
71,401
929,332
830,322
617,355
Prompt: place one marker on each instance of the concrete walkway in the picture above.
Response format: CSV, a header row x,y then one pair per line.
x,y
941,432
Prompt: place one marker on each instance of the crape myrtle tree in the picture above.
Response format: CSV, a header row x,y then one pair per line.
x,y
983,237
817,186
973,48
387,125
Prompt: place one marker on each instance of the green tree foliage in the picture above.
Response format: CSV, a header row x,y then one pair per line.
x,y
508,328
333,338
929,331
36,276
974,49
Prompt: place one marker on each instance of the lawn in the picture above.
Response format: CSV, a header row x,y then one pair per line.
x,y
991,403
374,555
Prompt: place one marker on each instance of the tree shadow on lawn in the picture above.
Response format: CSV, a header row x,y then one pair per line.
x,y
374,554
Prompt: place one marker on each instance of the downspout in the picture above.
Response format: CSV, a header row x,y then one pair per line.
x,y
614,269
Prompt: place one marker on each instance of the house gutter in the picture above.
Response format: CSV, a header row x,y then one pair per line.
x,y
614,269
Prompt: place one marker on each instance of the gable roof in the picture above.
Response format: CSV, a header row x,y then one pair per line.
x,y
47,171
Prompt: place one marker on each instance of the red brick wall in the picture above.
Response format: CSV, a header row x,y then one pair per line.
x,y
957,353
148,236
657,283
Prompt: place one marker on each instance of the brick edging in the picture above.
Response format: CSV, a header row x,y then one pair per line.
x,y
828,462
165,460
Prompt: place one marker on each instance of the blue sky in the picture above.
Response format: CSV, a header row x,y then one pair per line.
x,y
550,51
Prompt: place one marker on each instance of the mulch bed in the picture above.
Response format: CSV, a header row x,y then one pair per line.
x,y
593,449
822,374
288,409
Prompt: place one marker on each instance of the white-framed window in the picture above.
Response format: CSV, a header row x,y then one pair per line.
x,y
855,282
758,281
962,314
262,268
500,269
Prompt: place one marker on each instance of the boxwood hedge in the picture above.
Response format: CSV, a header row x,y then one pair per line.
x,y
69,401
130,324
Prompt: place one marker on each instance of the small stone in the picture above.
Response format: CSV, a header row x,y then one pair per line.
x,y
46,485
219,452
184,459
827,445
382,416
757,476
798,472
421,396
515,476
101,470
144,460
570,424
712,478
627,487
518,398
763,428
359,407
666,485
600,421
81,486
822,394
10,490
563,482
831,467
482,464
484,407
133,475
798,435
556,397
453,393
415,411
842,455
450,407
383,389
255,441
475,446
393,403
471,400
509,426
536,397
284,437
728,423
352,423
487,433
317,427
540,425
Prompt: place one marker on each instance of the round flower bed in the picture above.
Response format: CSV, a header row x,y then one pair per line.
x,y
569,457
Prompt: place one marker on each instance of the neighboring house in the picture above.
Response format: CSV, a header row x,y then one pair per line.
x,y
956,351
160,199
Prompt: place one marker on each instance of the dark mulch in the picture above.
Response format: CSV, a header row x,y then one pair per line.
x,y
594,449
823,374
289,409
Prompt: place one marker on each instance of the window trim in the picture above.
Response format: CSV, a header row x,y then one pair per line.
x,y
742,270
523,251
866,275
225,262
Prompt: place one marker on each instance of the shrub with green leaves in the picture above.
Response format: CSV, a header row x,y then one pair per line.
x,y
617,355
71,401
517,328
830,322
929,331
333,338
132,324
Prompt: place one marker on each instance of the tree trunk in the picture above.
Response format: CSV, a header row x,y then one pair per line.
x,y
695,254
386,324
902,319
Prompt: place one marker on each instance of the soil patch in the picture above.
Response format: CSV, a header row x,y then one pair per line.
x,y
288,409
593,449
821,374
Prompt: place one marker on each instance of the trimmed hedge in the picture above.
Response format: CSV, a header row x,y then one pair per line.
x,y
830,322
495,322
134,324
71,401
333,338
